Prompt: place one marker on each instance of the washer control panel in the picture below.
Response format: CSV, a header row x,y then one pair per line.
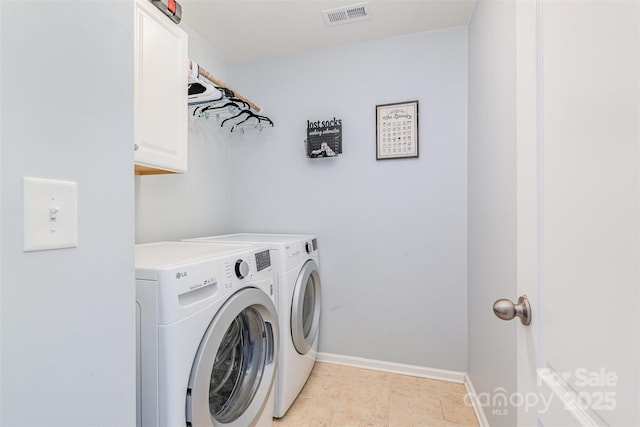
x,y
311,246
249,266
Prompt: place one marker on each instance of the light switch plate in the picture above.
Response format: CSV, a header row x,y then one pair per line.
x,y
50,214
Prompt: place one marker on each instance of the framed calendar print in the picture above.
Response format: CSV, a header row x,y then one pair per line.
x,y
397,130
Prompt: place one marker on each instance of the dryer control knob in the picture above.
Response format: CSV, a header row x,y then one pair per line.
x,y
242,269
308,247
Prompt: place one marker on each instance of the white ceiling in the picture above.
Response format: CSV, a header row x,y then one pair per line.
x,y
248,30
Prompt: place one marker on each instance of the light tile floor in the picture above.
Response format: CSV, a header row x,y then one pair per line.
x,y
341,396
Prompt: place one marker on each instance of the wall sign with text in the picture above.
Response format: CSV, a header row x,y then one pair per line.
x,y
324,138
397,130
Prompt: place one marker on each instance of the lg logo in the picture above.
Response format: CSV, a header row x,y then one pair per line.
x,y
181,275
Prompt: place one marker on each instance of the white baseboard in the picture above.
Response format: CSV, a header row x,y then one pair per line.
x,y
477,407
395,368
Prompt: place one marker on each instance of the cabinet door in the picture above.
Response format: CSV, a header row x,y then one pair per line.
x,y
160,104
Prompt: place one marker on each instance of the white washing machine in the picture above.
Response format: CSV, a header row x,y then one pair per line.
x,y
207,335
296,261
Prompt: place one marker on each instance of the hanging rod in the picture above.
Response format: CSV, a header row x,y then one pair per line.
x,y
208,76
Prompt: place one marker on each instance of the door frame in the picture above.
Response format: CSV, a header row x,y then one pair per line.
x,y
529,190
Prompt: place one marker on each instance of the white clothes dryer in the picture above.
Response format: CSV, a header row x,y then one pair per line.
x,y
298,286
207,335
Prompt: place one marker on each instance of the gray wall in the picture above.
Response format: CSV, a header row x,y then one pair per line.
x,y
492,199
405,218
67,316
392,233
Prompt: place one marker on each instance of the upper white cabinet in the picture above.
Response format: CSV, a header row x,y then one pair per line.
x,y
160,101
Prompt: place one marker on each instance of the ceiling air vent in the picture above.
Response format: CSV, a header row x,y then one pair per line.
x,y
346,14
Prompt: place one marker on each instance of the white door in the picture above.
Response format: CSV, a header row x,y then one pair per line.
x,y
235,366
305,308
578,212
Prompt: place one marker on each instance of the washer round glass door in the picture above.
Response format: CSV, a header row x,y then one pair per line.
x,y
234,367
305,307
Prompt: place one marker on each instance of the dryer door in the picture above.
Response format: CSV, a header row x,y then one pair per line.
x,y
234,368
305,307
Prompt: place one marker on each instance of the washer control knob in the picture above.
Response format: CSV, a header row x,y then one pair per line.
x,y
308,247
242,269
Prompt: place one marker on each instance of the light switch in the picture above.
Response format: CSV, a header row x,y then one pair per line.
x,y
50,214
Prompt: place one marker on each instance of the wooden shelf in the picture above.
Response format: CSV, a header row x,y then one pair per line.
x,y
145,170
